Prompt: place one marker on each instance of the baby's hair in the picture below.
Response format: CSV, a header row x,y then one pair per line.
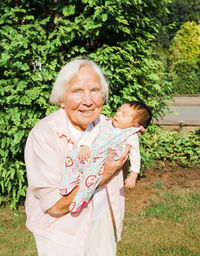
x,y
143,114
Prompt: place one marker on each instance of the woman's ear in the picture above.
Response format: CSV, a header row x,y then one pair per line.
x,y
61,103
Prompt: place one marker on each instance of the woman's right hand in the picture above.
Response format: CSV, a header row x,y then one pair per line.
x,y
111,165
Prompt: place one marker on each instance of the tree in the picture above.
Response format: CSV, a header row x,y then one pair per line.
x,y
37,37
185,63
180,11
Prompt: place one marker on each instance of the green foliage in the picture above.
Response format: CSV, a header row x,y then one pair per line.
x,y
144,78
26,76
38,37
180,11
185,63
179,38
172,146
186,77
186,43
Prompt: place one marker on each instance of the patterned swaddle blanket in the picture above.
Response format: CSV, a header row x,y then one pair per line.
x,y
88,175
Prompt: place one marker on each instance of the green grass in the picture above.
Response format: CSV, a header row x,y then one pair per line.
x,y
170,226
15,239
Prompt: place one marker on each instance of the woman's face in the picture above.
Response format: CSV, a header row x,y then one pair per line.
x,y
82,100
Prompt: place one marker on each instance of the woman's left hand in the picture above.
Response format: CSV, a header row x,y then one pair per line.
x,y
111,165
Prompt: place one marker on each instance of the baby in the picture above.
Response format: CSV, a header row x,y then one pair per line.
x,y
84,165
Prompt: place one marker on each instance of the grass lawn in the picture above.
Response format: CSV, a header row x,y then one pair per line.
x,y
169,226
160,220
15,239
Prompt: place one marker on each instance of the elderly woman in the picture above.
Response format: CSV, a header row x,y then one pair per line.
x,y
80,90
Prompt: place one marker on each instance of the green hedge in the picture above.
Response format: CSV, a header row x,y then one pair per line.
x,y
185,62
38,37
186,77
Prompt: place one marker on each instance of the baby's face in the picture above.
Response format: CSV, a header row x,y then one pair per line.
x,y
123,117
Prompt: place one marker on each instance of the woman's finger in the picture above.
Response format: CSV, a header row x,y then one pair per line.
x,y
111,154
142,130
111,165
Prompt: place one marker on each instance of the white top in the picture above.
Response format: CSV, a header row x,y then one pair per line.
x,y
100,200
134,154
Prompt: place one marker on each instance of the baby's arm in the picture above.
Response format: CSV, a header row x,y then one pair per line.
x,y
86,142
84,153
135,158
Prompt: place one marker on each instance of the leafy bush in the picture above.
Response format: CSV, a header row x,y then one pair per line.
x,y
180,11
38,37
185,63
186,77
172,146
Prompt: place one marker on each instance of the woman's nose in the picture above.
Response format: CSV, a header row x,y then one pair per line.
x,y
87,98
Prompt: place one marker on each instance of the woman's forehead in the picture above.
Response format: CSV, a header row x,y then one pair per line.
x,y
86,77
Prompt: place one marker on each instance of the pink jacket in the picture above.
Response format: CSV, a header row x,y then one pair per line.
x,y
46,147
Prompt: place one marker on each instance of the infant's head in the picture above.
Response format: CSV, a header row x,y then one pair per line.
x,y
132,113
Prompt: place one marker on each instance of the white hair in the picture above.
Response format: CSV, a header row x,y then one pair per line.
x,y
70,70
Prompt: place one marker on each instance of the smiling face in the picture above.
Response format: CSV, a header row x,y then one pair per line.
x,y
124,117
82,100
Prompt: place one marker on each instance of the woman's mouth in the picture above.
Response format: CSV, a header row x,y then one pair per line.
x,y
86,112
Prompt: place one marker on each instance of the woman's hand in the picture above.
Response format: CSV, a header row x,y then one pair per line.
x,y
111,165
62,206
142,130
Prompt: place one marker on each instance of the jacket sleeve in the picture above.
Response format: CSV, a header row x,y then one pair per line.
x,y
43,168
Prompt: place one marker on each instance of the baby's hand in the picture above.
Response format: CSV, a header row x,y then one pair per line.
x,y
131,180
84,154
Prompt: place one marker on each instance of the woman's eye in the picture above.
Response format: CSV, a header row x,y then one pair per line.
x,y
76,91
95,90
